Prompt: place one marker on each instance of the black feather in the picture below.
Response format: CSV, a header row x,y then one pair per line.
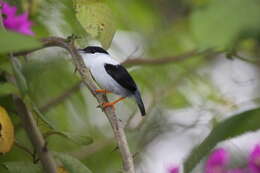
x,y
120,74
139,102
94,49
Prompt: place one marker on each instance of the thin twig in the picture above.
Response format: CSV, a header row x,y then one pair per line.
x,y
117,127
35,136
27,150
86,151
160,61
59,99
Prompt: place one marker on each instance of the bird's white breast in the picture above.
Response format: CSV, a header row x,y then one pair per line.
x,y
96,62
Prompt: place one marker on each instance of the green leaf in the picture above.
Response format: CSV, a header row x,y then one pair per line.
x,y
231,127
22,167
64,22
71,164
7,88
78,139
11,42
217,26
20,79
74,137
96,18
40,115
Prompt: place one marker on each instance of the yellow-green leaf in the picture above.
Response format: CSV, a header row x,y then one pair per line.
x,y
97,19
61,170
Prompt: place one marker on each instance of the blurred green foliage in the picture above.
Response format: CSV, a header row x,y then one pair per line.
x,y
16,42
224,23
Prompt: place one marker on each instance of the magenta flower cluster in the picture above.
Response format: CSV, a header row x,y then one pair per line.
x,y
14,22
173,169
218,161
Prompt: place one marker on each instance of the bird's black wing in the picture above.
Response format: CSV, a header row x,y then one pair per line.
x,y
119,74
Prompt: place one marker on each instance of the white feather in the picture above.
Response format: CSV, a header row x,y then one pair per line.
x,y
95,62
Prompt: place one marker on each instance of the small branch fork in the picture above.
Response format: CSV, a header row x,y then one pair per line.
x,y
128,165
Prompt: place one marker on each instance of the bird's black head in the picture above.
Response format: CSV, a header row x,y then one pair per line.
x,y
93,49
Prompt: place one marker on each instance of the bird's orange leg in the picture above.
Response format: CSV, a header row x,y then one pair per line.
x,y
111,104
102,91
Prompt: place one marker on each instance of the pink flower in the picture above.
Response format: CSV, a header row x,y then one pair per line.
x,y
173,170
217,161
236,170
13,22
254,160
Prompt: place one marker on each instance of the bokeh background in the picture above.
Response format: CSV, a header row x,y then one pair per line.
x,y
213,75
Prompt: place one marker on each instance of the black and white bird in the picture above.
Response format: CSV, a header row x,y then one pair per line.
x,y
110,75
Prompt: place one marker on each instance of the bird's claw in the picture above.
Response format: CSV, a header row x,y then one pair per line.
x,y
103,106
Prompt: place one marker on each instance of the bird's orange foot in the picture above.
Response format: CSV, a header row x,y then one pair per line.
x,y
102,91
110,104
105,105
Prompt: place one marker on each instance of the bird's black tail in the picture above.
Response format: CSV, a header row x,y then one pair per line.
x,y
139,102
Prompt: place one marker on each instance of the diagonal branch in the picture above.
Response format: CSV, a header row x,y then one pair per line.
x,y
117,127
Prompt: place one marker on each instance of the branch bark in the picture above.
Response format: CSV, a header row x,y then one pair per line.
x,y
160,61
128,165
35,136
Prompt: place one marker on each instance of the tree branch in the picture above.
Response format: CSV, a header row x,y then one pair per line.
x,y
128,165
145,61
57,100
160,61
35,136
